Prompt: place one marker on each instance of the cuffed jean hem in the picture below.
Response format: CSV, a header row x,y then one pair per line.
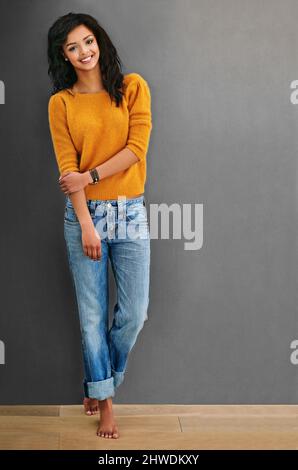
x,y
118,377
100,390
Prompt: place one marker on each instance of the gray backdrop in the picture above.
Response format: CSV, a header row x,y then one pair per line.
x,y
221,318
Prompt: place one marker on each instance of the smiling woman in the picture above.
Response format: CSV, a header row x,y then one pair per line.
x,y
100,123
84,57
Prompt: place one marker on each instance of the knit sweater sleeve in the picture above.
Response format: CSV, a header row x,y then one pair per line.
x,y
65,151
140,120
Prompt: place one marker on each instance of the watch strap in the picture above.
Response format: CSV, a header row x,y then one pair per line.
x,y
95,176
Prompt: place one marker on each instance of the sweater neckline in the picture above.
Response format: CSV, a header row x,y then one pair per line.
x,y
74,93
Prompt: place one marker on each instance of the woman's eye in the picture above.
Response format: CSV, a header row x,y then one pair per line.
x,y
89,41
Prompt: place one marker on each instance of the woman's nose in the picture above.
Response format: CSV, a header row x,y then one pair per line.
x,y
84,51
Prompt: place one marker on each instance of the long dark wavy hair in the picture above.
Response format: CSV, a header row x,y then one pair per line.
x,y
62,73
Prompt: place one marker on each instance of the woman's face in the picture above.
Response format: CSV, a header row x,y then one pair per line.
x,y
81,44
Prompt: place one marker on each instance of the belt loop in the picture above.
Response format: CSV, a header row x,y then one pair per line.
x,y
120,203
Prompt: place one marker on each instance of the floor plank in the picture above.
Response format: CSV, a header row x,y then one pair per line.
x,y
17,440
29,410
151,426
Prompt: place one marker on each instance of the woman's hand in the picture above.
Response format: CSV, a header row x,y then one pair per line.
x,y
74,181
91,242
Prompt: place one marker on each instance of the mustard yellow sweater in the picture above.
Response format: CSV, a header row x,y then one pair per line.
x,y
87,129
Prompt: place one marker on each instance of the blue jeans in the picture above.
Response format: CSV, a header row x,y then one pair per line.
x,y
106,351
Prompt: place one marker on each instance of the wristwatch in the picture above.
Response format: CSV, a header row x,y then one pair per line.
x,y
95,176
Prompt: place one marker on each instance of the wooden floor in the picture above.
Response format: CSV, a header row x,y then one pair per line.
x,y
152,427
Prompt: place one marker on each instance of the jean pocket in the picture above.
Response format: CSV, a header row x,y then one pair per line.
x,y
70,216
136,213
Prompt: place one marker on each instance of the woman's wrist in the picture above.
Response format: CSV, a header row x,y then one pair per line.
x,y
86,224
87,177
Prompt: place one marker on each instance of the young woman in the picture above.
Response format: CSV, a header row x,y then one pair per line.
x,y
100,124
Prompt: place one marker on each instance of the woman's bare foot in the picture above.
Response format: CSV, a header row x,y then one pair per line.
x,y
107,424
91,406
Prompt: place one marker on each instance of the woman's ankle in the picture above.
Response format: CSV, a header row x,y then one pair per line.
x,y
106,403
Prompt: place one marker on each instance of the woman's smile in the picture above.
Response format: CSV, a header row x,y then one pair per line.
x,y
87,60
